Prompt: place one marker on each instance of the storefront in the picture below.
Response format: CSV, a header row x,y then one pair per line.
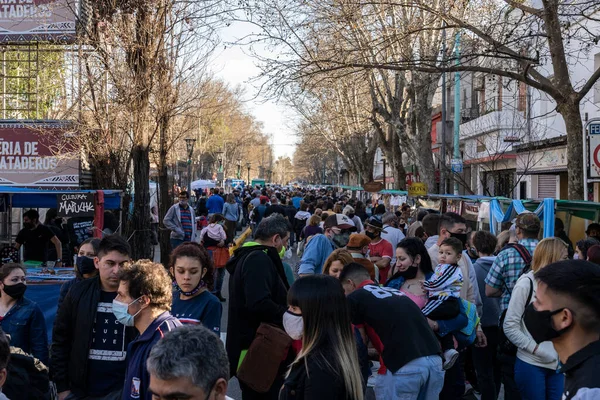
x,y
542,169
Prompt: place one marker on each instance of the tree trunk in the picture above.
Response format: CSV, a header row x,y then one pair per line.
x,y
571,114
164,200
140,222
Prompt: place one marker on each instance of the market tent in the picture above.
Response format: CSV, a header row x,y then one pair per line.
x,y
38,198
203,184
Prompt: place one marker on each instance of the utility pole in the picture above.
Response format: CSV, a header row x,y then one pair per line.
x,y
457,106
443,189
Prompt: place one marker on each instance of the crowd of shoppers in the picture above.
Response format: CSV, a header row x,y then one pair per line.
x,y
408,307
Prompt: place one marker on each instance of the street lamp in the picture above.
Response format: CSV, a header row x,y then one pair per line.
x,y
220,160
189,145
248,166
383,160
239,168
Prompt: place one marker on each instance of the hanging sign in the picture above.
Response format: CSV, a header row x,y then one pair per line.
x,y
457,165
75,205
417,189
373,187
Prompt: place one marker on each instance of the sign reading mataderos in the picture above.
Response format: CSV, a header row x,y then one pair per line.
x,y
23,21
75,205
37,155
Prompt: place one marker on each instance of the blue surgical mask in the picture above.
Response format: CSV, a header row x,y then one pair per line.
x,y
120,311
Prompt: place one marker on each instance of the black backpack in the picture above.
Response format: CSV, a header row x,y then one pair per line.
x,y
505,346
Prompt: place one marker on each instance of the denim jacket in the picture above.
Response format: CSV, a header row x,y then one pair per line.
x,y
315,254
26,325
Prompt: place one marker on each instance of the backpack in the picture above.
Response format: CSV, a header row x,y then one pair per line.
x,y
505,346
27,377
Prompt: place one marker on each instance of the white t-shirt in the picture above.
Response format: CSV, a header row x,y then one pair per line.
x,y
394,236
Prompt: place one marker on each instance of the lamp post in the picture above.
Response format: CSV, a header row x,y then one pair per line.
x,y
248,166
220,160
239,168
189,145
383,160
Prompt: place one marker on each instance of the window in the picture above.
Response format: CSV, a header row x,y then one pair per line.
x,y
481,146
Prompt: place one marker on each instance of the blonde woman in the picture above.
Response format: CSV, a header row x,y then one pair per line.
x,y
336,262
535,369
327,366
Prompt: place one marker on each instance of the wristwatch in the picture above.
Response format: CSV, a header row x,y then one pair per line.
x,y
58,260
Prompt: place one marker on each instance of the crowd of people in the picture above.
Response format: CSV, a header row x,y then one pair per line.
x,y
413,303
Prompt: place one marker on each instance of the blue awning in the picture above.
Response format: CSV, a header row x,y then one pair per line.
x,y
37,198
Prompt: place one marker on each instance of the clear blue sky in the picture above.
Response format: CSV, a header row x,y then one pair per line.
x,y
235,66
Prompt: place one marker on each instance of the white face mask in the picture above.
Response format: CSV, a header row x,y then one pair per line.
x,y
293,325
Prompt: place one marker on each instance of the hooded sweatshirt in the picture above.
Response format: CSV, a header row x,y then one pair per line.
x,y
491,306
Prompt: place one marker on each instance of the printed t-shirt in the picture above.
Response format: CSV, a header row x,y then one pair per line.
x,y
394,323
108,351
205,309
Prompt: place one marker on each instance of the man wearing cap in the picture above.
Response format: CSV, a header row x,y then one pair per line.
x,y
358,247
337,228
380,250
393,234
503,276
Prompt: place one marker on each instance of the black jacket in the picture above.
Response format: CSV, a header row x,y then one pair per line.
x,y
257,293
72,336
319,383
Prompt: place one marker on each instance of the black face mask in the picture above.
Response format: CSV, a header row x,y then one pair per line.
x,y
15,291
371,235
539,324
350,216
460,236
410,273
85,265
27,225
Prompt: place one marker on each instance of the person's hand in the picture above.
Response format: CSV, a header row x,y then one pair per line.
x,y
64,395
58,264
545,355
481,340
221,243
433,325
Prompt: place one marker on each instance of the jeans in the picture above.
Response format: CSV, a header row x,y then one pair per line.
x,y
175,243
487,365
537,383
454,381
219,276
420,379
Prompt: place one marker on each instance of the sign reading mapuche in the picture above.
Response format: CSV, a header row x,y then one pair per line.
x,y
23,21
75,205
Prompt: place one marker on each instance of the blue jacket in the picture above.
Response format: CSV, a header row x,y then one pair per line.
x,y
215,204
315,254
26,325
137,378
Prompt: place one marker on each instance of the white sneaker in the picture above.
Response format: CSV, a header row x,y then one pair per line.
x,y
450,357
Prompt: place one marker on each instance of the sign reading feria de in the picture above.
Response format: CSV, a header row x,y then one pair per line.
x,y
37,155
23,21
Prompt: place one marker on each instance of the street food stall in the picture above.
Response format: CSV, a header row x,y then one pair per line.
x,y
84,211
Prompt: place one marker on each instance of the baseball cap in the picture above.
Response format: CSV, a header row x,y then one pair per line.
x,y
358,241
339,220
528,221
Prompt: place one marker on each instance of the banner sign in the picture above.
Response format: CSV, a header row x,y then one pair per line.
x,y
417,189
24,21
37,155
594,156
373,187
75,205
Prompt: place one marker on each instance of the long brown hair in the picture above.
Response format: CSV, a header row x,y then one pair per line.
x,y
341,255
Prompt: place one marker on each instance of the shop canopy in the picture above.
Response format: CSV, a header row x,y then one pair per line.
x,y
37,198
202,184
